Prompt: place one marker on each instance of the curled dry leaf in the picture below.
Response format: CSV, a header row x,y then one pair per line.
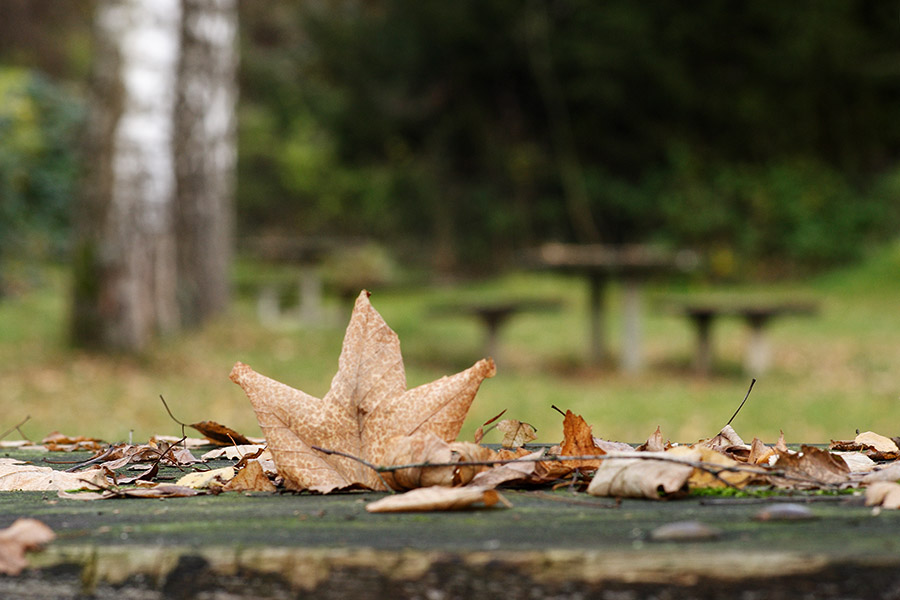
x,y
718,473
213,479
877,442
417,449
725,438
237,452
857,462
579,441
760,454
437,498
516,433
58,442
16,475
367,406
428,448
654,443
219,434
251,478
810,468
885,494
464,452
780,445
517,471
631,477
887,473
23,535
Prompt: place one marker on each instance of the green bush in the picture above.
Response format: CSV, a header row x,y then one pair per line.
x,y
777,218
38,165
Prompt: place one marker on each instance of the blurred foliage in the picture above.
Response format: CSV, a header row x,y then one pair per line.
x,y
38,164
459,133
758,130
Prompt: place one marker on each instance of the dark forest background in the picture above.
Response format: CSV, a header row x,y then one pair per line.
x,y
457,134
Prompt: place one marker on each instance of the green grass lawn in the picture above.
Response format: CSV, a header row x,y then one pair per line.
x,y
834,373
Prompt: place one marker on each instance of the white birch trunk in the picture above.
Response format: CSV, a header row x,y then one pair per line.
x,y
153,230
205,155
127,247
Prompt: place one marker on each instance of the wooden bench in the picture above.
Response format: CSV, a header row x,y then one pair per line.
x,y
757,313
493,315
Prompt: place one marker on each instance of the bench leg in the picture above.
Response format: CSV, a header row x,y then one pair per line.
x,y
492,324
758,358
268,307
310,296
632,360
597,349
704,358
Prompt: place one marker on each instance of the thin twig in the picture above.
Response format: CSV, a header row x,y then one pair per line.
x,y
713,469
752,381
15,428
183,425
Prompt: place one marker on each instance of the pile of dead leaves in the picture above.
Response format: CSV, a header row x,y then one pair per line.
x,y
369,432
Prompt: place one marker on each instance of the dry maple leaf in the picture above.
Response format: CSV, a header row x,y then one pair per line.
x,y
367,405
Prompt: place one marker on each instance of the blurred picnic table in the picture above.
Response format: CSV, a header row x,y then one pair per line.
x,y
757,313
601,264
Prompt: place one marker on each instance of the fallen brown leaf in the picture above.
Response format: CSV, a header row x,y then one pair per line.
x,y
811,467
515,471
877,442
437,498
654,443
199,480
889,472
643,477
725,438
251,478
780,445
367,406
885,494
58,442
16,475
718,474
220,435
23,535
237,452
759,453
516,433
423,448
579,441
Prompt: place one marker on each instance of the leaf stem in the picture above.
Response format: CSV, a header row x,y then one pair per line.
x,y
752,381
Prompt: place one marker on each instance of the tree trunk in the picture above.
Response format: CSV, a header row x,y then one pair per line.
x,y
205,156
128,263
